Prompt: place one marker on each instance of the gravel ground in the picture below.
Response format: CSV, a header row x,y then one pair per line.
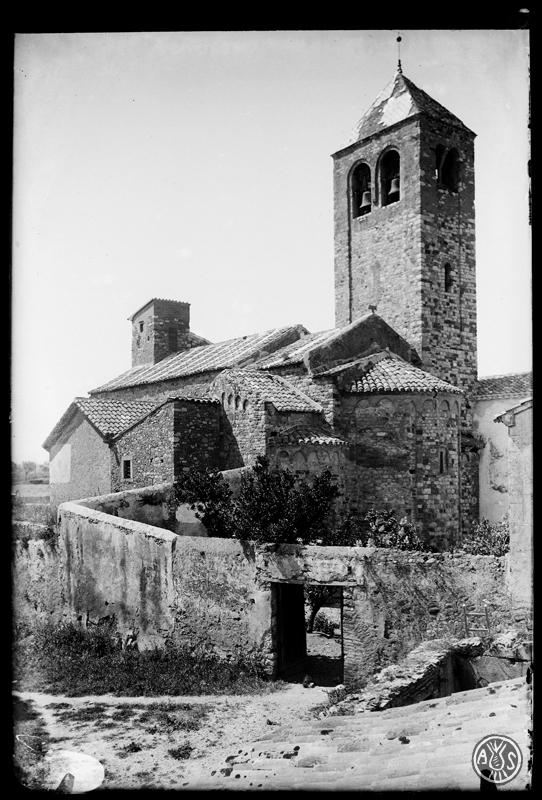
x,y
138,755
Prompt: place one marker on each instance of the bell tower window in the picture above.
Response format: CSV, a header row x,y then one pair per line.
x,y
447,166
390,178
361,190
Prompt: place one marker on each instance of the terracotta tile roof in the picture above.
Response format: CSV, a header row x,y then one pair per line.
x,y
293,353
398,101
109,417
308,434
272,389
207,358
493,387
395,375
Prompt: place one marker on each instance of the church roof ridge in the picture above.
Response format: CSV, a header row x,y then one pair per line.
x,y
214,357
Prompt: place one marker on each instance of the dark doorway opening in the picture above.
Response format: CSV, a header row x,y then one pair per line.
x,y
318,653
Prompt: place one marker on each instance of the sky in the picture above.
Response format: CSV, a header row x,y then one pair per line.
x,y
196,166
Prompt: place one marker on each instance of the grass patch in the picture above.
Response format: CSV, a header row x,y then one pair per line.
x,y
126,751
75,661
124,713
168,719
31,743
87,713
181,752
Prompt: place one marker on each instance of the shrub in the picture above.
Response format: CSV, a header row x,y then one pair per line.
x,y
488,539
324,624
377,528
68,659
275,506
271,506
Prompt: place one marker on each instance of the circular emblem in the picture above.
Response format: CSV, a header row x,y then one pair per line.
x,y
497,759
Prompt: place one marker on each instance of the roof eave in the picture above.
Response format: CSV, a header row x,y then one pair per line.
x,y
385,131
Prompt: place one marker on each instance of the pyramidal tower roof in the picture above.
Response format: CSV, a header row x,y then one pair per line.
x,y
398,101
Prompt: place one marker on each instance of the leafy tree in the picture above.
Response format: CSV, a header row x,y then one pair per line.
x,y
271,506
29,469
317,597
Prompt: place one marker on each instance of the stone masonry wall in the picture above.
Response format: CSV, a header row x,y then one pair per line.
x,y
304,460
449,345
321,390
377,256
158,330
395,460
198,437
390,596
243,422
151,447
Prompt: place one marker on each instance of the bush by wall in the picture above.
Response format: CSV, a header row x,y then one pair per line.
x,y
271,505
488,539
73,660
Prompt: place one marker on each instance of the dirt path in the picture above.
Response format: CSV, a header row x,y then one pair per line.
x,y
137,751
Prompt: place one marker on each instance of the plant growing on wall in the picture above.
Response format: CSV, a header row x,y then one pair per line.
x,y
272,504
377,528
488,539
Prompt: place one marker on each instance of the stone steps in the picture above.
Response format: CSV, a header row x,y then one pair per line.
x,y
364,752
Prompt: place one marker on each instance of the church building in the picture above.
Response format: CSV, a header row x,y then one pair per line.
x,y
387,399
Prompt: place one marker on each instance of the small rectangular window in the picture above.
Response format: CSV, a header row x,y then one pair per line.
x,y
443,460
127,469
172,339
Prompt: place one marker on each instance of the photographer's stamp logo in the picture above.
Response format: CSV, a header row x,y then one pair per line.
x,y
497,759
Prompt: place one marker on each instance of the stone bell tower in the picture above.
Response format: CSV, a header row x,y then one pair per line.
x,y
404,228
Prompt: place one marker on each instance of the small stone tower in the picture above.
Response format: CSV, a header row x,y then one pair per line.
x,y
159,328
404,228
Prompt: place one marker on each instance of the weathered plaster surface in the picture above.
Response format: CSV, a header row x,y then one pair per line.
x,y
493,466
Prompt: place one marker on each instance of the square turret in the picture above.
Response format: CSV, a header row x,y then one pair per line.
x,y
159,328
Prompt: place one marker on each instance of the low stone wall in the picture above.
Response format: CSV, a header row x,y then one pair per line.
x,y
218,601
149,505
158,586
118,570
36,583
392,600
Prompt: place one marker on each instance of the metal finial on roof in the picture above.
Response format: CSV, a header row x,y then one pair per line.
x,y
372,308
399,40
